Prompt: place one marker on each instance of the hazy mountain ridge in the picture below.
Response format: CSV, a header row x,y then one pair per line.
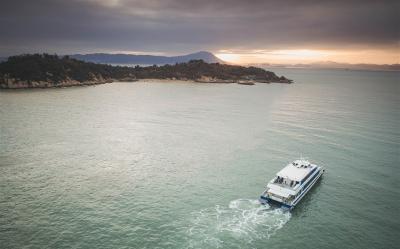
x,y
105,58
335,65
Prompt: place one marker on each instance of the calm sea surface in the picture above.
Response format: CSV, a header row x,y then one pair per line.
x,y
181,165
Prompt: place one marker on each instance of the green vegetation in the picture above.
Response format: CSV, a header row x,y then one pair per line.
x,y
198,69
44,70
54,69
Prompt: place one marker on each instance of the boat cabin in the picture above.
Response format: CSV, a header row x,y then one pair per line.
x,y
294,174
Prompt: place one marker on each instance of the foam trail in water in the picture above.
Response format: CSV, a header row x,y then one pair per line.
x,y
244,220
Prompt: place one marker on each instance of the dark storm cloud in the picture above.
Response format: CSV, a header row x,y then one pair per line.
x,y
183,26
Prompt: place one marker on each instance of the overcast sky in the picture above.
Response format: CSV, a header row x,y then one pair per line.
x,y
178,27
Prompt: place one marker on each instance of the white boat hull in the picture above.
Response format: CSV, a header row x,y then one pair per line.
x,y
264,199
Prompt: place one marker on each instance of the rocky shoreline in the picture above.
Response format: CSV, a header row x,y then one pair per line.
x,y
11,83
15,84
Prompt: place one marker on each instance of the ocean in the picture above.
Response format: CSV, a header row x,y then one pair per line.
x,y
181,165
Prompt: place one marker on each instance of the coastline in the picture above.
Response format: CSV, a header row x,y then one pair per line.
x,y
153,80
47,71
207,81
13,85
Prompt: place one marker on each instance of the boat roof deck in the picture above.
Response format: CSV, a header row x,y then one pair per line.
x,y
297,170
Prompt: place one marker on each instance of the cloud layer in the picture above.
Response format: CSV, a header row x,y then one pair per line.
x,y
184,26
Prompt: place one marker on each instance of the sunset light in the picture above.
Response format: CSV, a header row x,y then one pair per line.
x,y
290,56
233,58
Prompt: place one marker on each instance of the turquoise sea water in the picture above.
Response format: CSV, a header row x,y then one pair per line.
x,y
181,165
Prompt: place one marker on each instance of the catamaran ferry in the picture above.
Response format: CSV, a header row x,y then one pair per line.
x,y
292,183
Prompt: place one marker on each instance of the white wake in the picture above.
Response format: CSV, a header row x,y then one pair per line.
x,y
243,221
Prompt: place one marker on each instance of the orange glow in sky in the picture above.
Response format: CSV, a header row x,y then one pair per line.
x,y
294,56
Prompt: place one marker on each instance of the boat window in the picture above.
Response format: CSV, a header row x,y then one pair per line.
x,y
309,174
308,183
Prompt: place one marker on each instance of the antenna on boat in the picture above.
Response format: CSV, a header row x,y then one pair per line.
x,y
303,158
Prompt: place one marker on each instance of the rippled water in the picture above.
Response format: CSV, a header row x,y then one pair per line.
x,y
180,165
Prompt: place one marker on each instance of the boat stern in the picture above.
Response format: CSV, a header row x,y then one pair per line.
x,y
263,200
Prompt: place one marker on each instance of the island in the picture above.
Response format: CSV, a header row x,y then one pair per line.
x,y
45,70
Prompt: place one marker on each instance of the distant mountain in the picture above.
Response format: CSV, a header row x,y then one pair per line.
x,y
359,66
337,65
146,59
